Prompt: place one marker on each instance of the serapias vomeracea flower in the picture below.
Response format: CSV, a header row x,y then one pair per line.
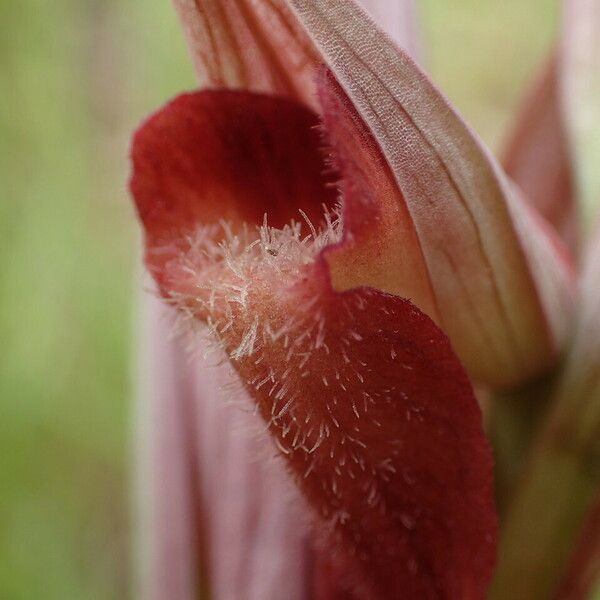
x,y
362,260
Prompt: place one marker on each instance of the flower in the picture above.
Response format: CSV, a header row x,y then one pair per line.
x,y
350,250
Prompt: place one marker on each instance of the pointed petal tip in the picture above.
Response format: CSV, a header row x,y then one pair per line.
x,y
537,156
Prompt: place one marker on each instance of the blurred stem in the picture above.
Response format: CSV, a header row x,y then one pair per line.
x,y
552,498
542,526
582,577
515,414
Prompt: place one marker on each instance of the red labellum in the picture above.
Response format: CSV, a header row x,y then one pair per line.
x,y
222,156
362,392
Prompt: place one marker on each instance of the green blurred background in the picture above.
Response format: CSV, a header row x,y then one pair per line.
x,y
75,78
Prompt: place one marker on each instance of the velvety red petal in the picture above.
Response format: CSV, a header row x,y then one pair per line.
x,y
215,156
537,154
362,392
377,421
402,472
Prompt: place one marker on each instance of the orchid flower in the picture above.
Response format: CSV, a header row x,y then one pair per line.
x,y
321,219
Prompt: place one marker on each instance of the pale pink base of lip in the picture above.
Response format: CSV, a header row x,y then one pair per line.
x,y
192,443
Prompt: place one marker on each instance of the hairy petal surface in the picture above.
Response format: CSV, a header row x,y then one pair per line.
x,y
361,391
366,409
505,316
245,512
225,156
537,156
219,513
266,525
